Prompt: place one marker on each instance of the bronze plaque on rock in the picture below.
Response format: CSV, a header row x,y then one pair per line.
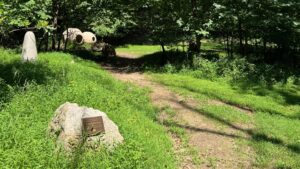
x,y
93,126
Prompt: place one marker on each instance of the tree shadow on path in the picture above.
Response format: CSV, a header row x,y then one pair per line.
x,y
133,64
253,135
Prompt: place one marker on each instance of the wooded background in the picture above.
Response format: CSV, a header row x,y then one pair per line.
x,y
267,30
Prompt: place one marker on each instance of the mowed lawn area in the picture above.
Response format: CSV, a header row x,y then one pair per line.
x,y
274,120
138,50
142,50
31,92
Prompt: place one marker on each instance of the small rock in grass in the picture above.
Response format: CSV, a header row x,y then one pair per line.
x,y
29,50
67,127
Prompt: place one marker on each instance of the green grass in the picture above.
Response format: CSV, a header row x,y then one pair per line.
x,y
276,118
139,50
31,92
142,50
284,101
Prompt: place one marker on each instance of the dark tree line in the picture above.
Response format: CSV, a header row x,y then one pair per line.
x,y
266,30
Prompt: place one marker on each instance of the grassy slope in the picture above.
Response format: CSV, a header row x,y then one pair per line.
x,y
276,119
30,93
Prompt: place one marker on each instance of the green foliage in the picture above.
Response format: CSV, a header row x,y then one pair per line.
x,y
169,68
258,23
264,29
204,68
32,13
32,92
238,69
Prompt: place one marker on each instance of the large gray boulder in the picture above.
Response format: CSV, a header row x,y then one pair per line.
x,y
29,50
67,127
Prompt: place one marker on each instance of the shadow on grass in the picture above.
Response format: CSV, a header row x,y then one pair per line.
x,y
87,55
253,135
153,61
290,97
150,62
16,74
268,110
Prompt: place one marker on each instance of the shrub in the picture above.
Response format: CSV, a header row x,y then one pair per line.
x,y
169,68
235,69
204,68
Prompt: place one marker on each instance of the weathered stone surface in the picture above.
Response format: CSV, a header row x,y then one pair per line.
x,y
74,35
89,37
67,127
29,50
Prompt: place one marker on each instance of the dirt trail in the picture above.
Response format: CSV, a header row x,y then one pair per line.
x,y
216,145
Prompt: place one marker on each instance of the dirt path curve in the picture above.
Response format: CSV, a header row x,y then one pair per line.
x,y
216,145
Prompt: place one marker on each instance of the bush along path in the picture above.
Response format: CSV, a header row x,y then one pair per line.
x,y
199,141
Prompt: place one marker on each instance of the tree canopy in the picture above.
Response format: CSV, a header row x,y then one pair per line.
x,y
244,25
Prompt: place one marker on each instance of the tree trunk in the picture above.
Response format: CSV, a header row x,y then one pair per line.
x,y
59,41
164,56
231,47
162,44
55,10
241,47
265,48
246,45
41,43
227,44
67,40
256,48
198,43
47,42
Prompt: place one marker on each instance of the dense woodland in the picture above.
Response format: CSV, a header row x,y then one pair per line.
x,y
269,30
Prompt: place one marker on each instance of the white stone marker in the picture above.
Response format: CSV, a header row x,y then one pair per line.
x,y
29,51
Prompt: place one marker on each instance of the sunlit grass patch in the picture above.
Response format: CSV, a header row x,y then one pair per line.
x,y
139,50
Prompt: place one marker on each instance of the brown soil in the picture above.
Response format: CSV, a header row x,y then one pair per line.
x,y
127,55
216,145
